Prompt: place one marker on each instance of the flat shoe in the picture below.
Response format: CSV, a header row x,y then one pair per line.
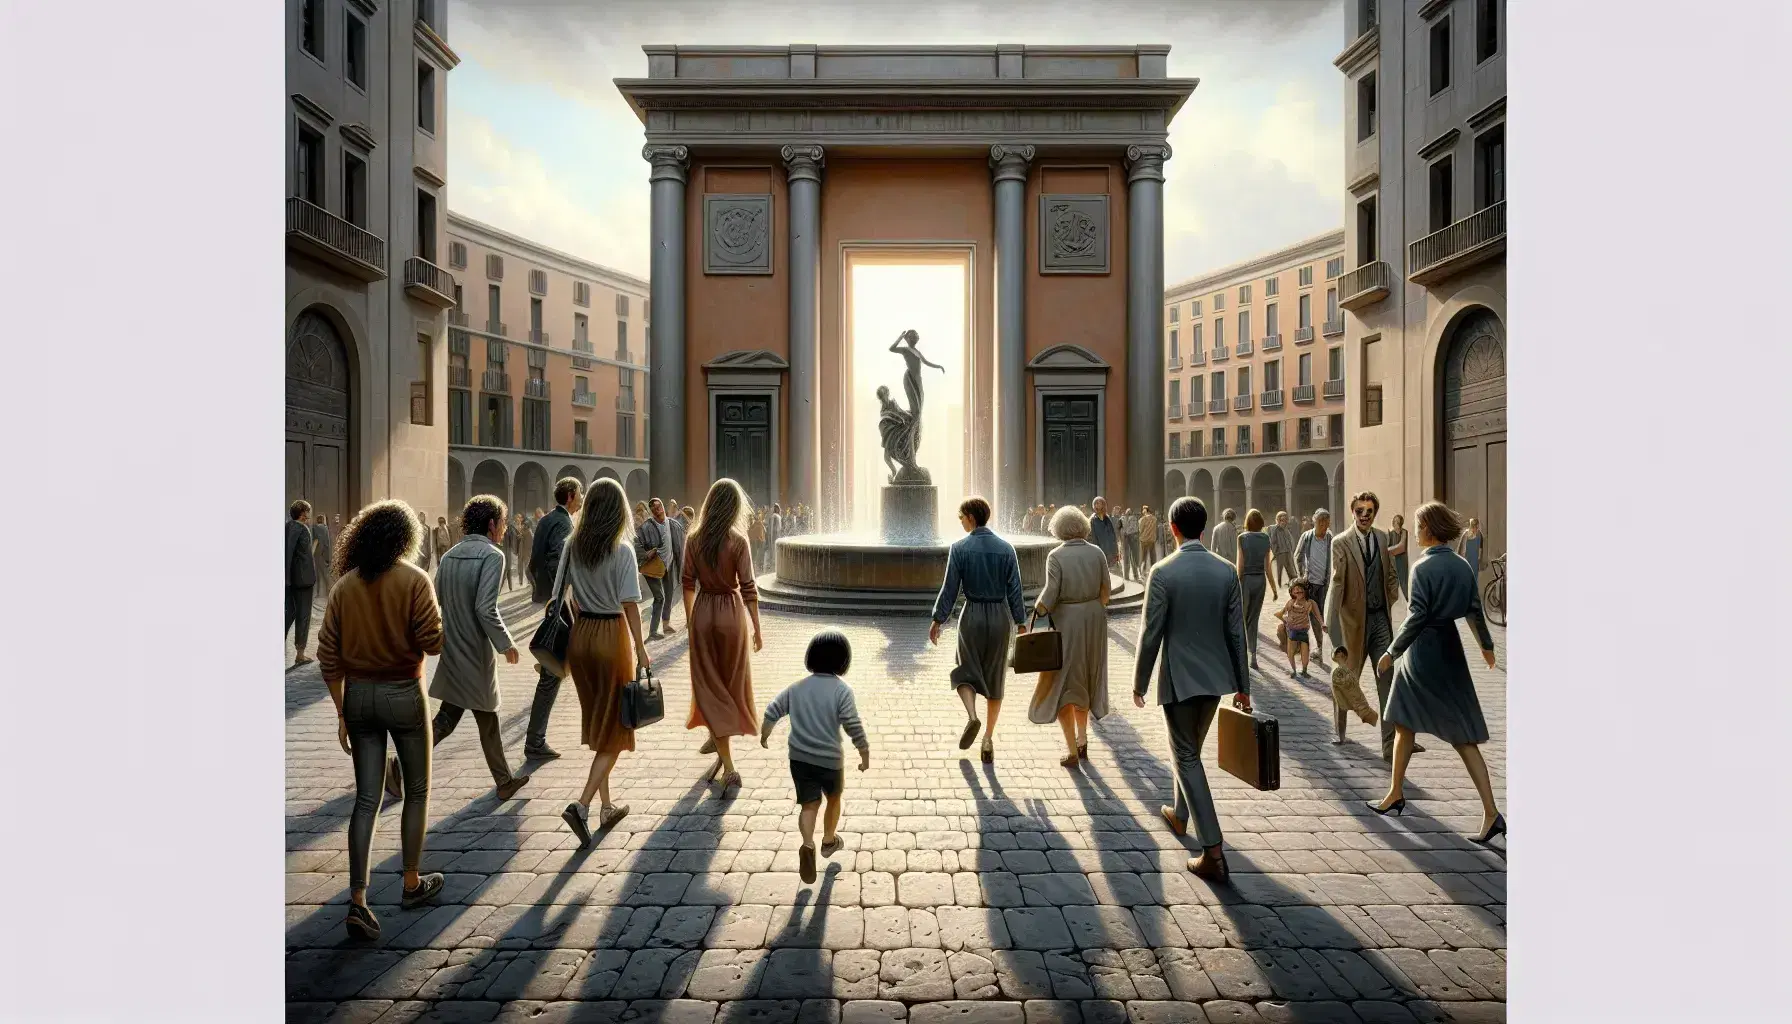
x,y
361,923
969,736
541,753
989,753
508,789
829,847
611,815
805,859
427,888
1082,750
1213,869
1069,760
1177,825
575,820
708,747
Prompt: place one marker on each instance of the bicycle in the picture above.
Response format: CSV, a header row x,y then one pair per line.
x,y
1493,596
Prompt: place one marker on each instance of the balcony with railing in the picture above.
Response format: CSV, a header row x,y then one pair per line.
x,y
581,445
458,318
538,337
1217,448
1216,405
1175,363
1272,343
1333,328
533,388
1270,399
1243,447
1303,335
1304,443
625,403
585,399
622,354
1195,409
1365,286
495,382
460,377
322,235
1242,403
1197,358
1175,411
1303,394
582,353
497,327
428,283
1473,239
1335,439
1334,388
1272,447
1221,353
1243,349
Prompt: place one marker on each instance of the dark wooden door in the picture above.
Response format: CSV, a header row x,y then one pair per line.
x,y
1072,434
1474,428
317,417
744,444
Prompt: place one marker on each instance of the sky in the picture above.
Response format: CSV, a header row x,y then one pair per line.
x,y
541,144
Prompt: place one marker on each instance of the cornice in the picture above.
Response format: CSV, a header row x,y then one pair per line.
x,y
1432,8
311,108
435,46
1363,182
645,94
360,136
1439,144
1495,111
1306,250
425,174
1360,52
466,229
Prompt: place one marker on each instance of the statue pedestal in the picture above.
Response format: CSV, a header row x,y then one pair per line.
x,y
911,513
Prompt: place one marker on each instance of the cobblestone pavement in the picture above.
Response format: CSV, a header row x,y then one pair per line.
x,y
1018,892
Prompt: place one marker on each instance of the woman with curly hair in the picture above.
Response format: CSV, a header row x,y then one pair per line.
x,y
380,623
605,643
720,602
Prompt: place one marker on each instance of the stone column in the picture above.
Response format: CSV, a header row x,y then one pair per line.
x,y
802,164
665,337
1009,166
1145,319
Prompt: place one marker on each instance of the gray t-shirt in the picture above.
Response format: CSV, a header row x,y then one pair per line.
x,y
1319,558
819,706
605,587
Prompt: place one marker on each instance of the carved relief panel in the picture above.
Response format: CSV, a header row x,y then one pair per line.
x,y
1073,234
737,233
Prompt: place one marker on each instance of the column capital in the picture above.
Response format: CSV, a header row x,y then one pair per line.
x,y
1009,162
1145,162
669,162
802,163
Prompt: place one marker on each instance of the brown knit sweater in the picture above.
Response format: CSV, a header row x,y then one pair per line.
x,y
380,630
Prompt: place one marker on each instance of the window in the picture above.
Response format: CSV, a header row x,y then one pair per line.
x,y
621,304
1218,385
1271,286
1219,334
457,255
494,266
426,97
1490,167
625,394
1335,429
308,167
1195,349
494,308
538,282
1272,324
460,415
1304,431
1244,294
1306,312
354,190
581,437
1176,314
1370,375
1272,375
1440,55
1306,370
1197,389
354,51
534,319
1244,326
625,435
581,385
1219,441
1244,437
494,421
420,388
1334,267
1331,305
1194,443
1334,360
494,355
457,298
1487,29
1244,380
1176,445
1306,276
1442,177
1272,435
1371,405
1175,350
426,225
622,340
581,329
1194,308
1175,392
311,28
581,293
1219,302
1365,107
535,423
1366,247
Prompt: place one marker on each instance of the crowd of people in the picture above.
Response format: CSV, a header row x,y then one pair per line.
x,y
1197,640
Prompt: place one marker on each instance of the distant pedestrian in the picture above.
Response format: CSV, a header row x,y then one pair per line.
x,y
756,537
1469,546
1398,542
473,629
440,536
1147,539
721,601
379,625
1225,536
1194,616
986,569
1104,534
606,645
1313,556
819,705
1252,561
426,545
301,577
1432,690
1075,599
514,556
653,550
545,549
672,552
1129,542
1282,539
525,546
320,555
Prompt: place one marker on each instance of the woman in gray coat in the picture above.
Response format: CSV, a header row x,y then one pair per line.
x,y
1432,690
468,580
1076,598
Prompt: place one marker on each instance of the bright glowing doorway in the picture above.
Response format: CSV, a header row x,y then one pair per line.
x,y
889,294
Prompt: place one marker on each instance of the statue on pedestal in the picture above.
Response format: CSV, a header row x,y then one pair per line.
x,y
899,428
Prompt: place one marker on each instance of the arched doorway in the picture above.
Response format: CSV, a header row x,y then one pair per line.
x,y
1269,491
1312,490
637,486
1231,495
457,488
1472,434
1175,486
489,478
318,448
532,489
1200,485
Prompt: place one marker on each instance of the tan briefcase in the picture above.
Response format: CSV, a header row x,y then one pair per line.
x,y
1250,747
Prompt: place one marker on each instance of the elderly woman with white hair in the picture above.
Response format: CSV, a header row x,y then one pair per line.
x,y
1075,600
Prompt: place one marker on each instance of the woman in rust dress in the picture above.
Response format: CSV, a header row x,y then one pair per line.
x,y
720,602
605,643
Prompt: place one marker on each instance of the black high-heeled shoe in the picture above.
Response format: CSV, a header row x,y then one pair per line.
x,y
1498,828
1397,808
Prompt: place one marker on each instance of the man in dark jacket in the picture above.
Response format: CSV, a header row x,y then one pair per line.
x,y
1104,533
545,552
301,576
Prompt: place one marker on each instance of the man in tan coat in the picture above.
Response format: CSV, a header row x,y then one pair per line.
x,y
1147,539
1359,602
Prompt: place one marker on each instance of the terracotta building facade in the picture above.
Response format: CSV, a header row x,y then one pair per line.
x,y
774,171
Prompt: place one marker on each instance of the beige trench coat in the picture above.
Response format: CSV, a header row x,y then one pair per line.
x,y
1346,598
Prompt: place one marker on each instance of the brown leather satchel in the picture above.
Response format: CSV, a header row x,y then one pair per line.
x,y
1250,747
1038,650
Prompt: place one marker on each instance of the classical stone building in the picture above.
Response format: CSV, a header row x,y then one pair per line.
x,y
1425,235
366,200
547,370
1039,170
1255,407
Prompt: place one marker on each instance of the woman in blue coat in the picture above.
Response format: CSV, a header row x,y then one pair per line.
x,y
1432,691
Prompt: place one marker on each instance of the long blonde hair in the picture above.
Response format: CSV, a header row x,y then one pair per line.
x,y
724,508
602,519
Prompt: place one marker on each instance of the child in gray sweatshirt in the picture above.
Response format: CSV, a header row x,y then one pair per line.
x,y
819,706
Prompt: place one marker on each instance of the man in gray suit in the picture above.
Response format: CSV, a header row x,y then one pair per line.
x,y
301,576
1194,612
674,528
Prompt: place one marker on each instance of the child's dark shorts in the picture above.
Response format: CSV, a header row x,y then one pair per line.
x,y
813,781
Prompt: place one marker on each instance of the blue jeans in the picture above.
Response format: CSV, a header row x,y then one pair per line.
x,y
660,611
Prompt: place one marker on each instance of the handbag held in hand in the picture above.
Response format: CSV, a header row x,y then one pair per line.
x,y
1038,650
643,700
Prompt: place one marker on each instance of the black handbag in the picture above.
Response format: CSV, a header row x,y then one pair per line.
x,y
643,700
1038,650
549,643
